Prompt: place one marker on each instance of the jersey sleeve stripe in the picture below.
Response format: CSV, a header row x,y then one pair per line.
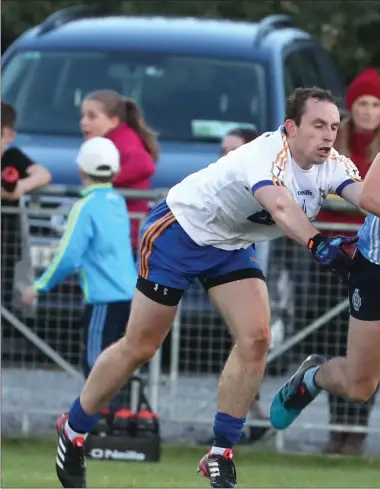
x,y
260,184
343,185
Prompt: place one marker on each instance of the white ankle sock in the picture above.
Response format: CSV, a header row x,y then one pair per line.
x,y
217,450
71,434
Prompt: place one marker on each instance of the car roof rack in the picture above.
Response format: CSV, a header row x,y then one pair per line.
x,y
270,23
68,14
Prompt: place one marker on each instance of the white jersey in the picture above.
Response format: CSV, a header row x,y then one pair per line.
x,y
216,206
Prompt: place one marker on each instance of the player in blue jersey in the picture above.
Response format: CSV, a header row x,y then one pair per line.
x,y
357,375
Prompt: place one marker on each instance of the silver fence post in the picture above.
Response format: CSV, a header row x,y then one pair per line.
x,y
154,380
174,359
279,441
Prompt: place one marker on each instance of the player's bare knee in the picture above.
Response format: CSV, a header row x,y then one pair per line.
x,y
146,351
362,390
253,347
140,352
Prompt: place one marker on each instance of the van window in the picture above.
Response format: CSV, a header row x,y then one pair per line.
x,y
311,69
183,98
311,66
292,72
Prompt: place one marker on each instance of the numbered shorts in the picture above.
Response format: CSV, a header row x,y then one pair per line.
x,y
170,261
364,289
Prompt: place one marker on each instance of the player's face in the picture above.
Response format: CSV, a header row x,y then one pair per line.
x,y
230,143
366,113
94,121
316,134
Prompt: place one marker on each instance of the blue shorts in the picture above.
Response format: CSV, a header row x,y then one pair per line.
x,y
170,261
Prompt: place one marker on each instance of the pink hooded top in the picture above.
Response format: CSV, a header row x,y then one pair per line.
x,y
136,169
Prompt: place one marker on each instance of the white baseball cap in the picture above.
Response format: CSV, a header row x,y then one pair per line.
x,y
99,157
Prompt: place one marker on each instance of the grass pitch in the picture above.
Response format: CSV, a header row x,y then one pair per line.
x,y
27,463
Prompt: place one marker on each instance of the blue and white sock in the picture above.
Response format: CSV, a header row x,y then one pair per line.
x,y
79,422
309,379
227,432
72,434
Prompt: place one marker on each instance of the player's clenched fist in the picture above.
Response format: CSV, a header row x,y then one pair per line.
x,y
329,252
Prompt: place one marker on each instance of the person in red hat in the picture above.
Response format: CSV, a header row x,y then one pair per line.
x,y
358,139
359,134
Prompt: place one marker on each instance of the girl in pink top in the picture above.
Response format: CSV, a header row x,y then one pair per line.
x,y
106,113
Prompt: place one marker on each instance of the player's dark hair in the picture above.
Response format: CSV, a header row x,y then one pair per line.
x,y
8,116
246,134
295,105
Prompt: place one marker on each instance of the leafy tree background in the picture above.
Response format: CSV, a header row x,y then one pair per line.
x,y
349,29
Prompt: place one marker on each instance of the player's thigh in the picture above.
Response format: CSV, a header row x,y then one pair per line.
x,y
237,287
149,323
244,305
162,279
363,351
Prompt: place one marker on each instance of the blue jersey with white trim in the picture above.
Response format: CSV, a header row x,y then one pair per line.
x,y
97,245
216,206
369,239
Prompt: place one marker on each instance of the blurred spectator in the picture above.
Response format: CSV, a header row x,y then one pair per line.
x,y
96,244
359,135
19,175
236,138
359,139
106,113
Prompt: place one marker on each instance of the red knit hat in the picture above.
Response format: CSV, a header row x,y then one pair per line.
x,y
367,83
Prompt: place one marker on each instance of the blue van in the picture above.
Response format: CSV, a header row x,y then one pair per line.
x,y
193,78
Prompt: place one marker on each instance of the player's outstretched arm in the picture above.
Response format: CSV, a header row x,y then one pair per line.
x,y
352,193
286,213
370,194
295,224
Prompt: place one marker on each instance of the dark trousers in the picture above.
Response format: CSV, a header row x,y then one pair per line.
x,y
103,325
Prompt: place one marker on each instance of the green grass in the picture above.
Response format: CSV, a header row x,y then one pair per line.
x,y
27,464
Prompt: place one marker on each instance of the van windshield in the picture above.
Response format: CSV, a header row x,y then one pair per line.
x,y
182,97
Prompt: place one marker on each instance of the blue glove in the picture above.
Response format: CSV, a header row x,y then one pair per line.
x,y
330,253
